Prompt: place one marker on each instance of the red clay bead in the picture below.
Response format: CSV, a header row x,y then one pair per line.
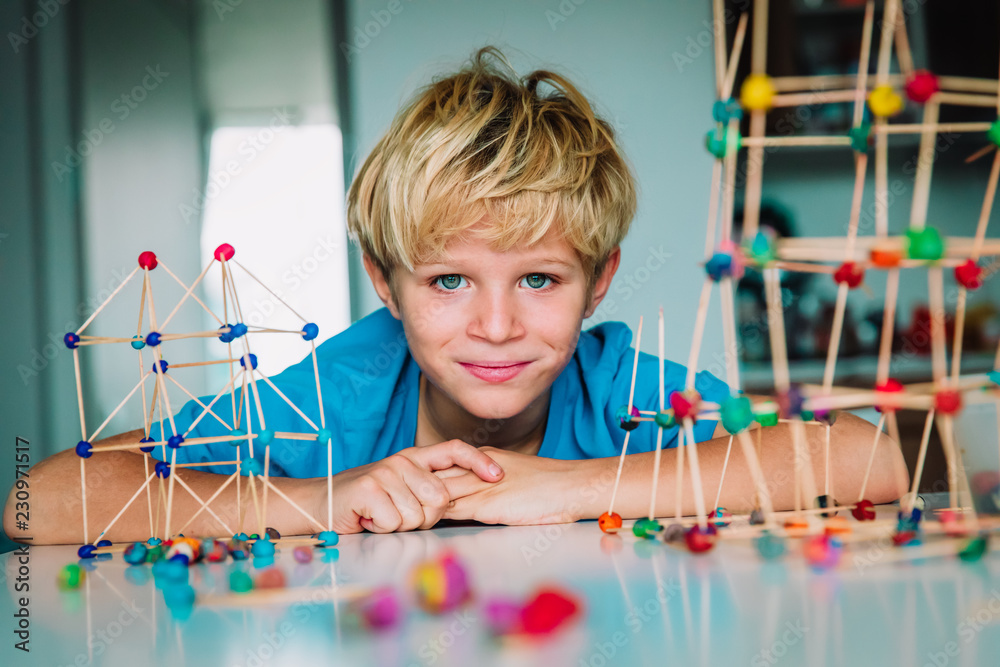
x,y
969,275
864,511
921,86
147,260
948,402
699,540
547,611
685,405
224,252
272,577
610,522
850,273
890,386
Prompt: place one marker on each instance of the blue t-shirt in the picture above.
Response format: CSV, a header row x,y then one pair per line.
x,y
370,389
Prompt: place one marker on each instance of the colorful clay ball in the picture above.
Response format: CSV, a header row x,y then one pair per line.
x,y
135,554
302,555
610,522
70,577
441,584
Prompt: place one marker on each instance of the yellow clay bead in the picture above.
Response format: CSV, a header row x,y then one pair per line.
x,y
884,101
757,93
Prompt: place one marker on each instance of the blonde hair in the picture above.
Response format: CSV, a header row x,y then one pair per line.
x,y
482,142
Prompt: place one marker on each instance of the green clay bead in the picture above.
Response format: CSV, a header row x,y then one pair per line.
x,y
993,134
767,418
925,244
721,142
974,550
737,414
646,528
70,577
240,582
665,419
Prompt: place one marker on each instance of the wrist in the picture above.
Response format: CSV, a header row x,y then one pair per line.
x,y
590,488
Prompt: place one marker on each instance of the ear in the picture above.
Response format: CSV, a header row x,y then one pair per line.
x,y
603,282
381,285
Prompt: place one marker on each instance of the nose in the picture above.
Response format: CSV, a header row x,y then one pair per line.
x,y
496,317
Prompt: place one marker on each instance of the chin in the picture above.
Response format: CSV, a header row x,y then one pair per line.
x,y
487,406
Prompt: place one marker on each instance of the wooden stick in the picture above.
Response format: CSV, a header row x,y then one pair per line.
x,y
205,504
757,142
659,431
967,84
275,389
921,458
106,301
194,364
866,50
812,98
699,334
802,453
725,465
966,100
699,496
729,333
987,208
679,482
713,208
754,175
776,327
881,179
282,301
925,166
903,53
201,502
83,493
631,395
757,474
79,394
170,494
117,409
295,505
758,53
885,44
871,457
935,293
189,292
826,464
888,325
834,346
931,128
719,40
734,58
283,596
985,150
729,188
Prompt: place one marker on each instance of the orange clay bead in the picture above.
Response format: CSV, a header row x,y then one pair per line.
x,y
610,523
886,258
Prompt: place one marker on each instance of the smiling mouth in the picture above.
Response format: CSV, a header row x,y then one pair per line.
x,y
499,371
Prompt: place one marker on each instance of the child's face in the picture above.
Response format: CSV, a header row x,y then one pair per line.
x,y
492,330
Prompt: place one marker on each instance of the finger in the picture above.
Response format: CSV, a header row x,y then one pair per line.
x,y
377,513
461,486
459,510
453,471
408,507
456,453
430,492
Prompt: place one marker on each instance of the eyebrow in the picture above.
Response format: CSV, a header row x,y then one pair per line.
x,y
443,265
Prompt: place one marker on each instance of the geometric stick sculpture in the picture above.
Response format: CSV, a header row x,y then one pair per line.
x,y
845,259
250,425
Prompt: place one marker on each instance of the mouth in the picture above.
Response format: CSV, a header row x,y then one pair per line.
x,y
495,371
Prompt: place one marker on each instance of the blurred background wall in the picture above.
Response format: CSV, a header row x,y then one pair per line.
x,y
175,125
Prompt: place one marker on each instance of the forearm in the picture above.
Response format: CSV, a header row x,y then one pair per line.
x,y
114,477
851,446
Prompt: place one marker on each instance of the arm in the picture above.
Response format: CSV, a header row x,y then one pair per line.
x,y
398,493
538,490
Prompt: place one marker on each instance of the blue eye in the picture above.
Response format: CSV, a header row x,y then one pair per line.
x,y
450,282
536,281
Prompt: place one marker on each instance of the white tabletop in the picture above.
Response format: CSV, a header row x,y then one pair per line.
x,y
645,603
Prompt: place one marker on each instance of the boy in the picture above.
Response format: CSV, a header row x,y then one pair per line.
x,y
490,217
